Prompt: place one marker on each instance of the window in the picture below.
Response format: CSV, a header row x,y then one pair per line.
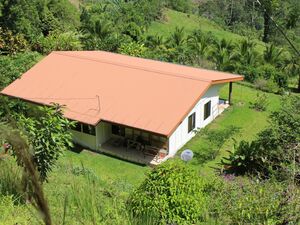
x,y
78,127
85,128
207,110
118,130
192,122
88,129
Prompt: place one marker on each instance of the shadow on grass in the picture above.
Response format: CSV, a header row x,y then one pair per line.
x,y
79,149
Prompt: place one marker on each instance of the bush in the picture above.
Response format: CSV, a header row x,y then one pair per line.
x,y
266,85
68,41
12,67
180,5
12,43
171,192
49,134
133,49
242,201
212,141
260,103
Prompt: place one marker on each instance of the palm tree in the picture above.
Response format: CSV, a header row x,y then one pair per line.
x,y
246,54
154,41
223,55
101,29
292,68
177,39
273,55
199,43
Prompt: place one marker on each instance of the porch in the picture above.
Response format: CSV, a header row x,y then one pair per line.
x,y
222,105
133,144
115,147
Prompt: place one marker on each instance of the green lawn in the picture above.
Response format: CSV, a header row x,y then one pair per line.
x,y
106,167
240,115
192,22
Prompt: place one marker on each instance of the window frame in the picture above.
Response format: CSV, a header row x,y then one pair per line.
x,y
191,122
207,110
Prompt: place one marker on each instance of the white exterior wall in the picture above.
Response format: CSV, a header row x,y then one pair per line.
x,y
83,139
103,133
181,135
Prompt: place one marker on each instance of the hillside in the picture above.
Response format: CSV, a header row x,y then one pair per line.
x,y
190,22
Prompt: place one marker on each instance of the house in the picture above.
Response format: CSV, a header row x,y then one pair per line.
x,y
124,105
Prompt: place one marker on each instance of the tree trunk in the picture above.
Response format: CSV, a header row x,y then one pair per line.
x,y
267,22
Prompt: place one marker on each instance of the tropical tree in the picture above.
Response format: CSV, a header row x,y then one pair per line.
x,y
49,135
292,68
223,55
246,53
154,41
133,49
199,43
268,8
177,38
272,54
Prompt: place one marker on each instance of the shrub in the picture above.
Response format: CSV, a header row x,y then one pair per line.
x,y
260,103
12,43
242,201
49,134
266,85
56,41
180,5
171,192
212,141
133,49
12,67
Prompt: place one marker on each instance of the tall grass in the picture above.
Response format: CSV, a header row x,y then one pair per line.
x,y
30,176
11,180
89,200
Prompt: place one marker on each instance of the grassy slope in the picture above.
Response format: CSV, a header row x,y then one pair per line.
x,y
192,22
108,168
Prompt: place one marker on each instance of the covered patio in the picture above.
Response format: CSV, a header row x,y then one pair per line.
x,y
130,154
135,145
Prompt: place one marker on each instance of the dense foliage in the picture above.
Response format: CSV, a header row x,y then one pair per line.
x,y
236,200
249,17
12,67
174,194
38,17
276,150
49,134
171,193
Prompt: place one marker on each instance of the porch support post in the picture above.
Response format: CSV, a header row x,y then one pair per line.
x,y
230,92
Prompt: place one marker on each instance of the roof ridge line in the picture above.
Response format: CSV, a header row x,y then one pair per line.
x,y
137,68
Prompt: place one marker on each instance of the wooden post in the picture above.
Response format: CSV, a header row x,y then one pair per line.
x,y
230,92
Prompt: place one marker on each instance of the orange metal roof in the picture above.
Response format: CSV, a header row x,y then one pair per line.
x,y
96,85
